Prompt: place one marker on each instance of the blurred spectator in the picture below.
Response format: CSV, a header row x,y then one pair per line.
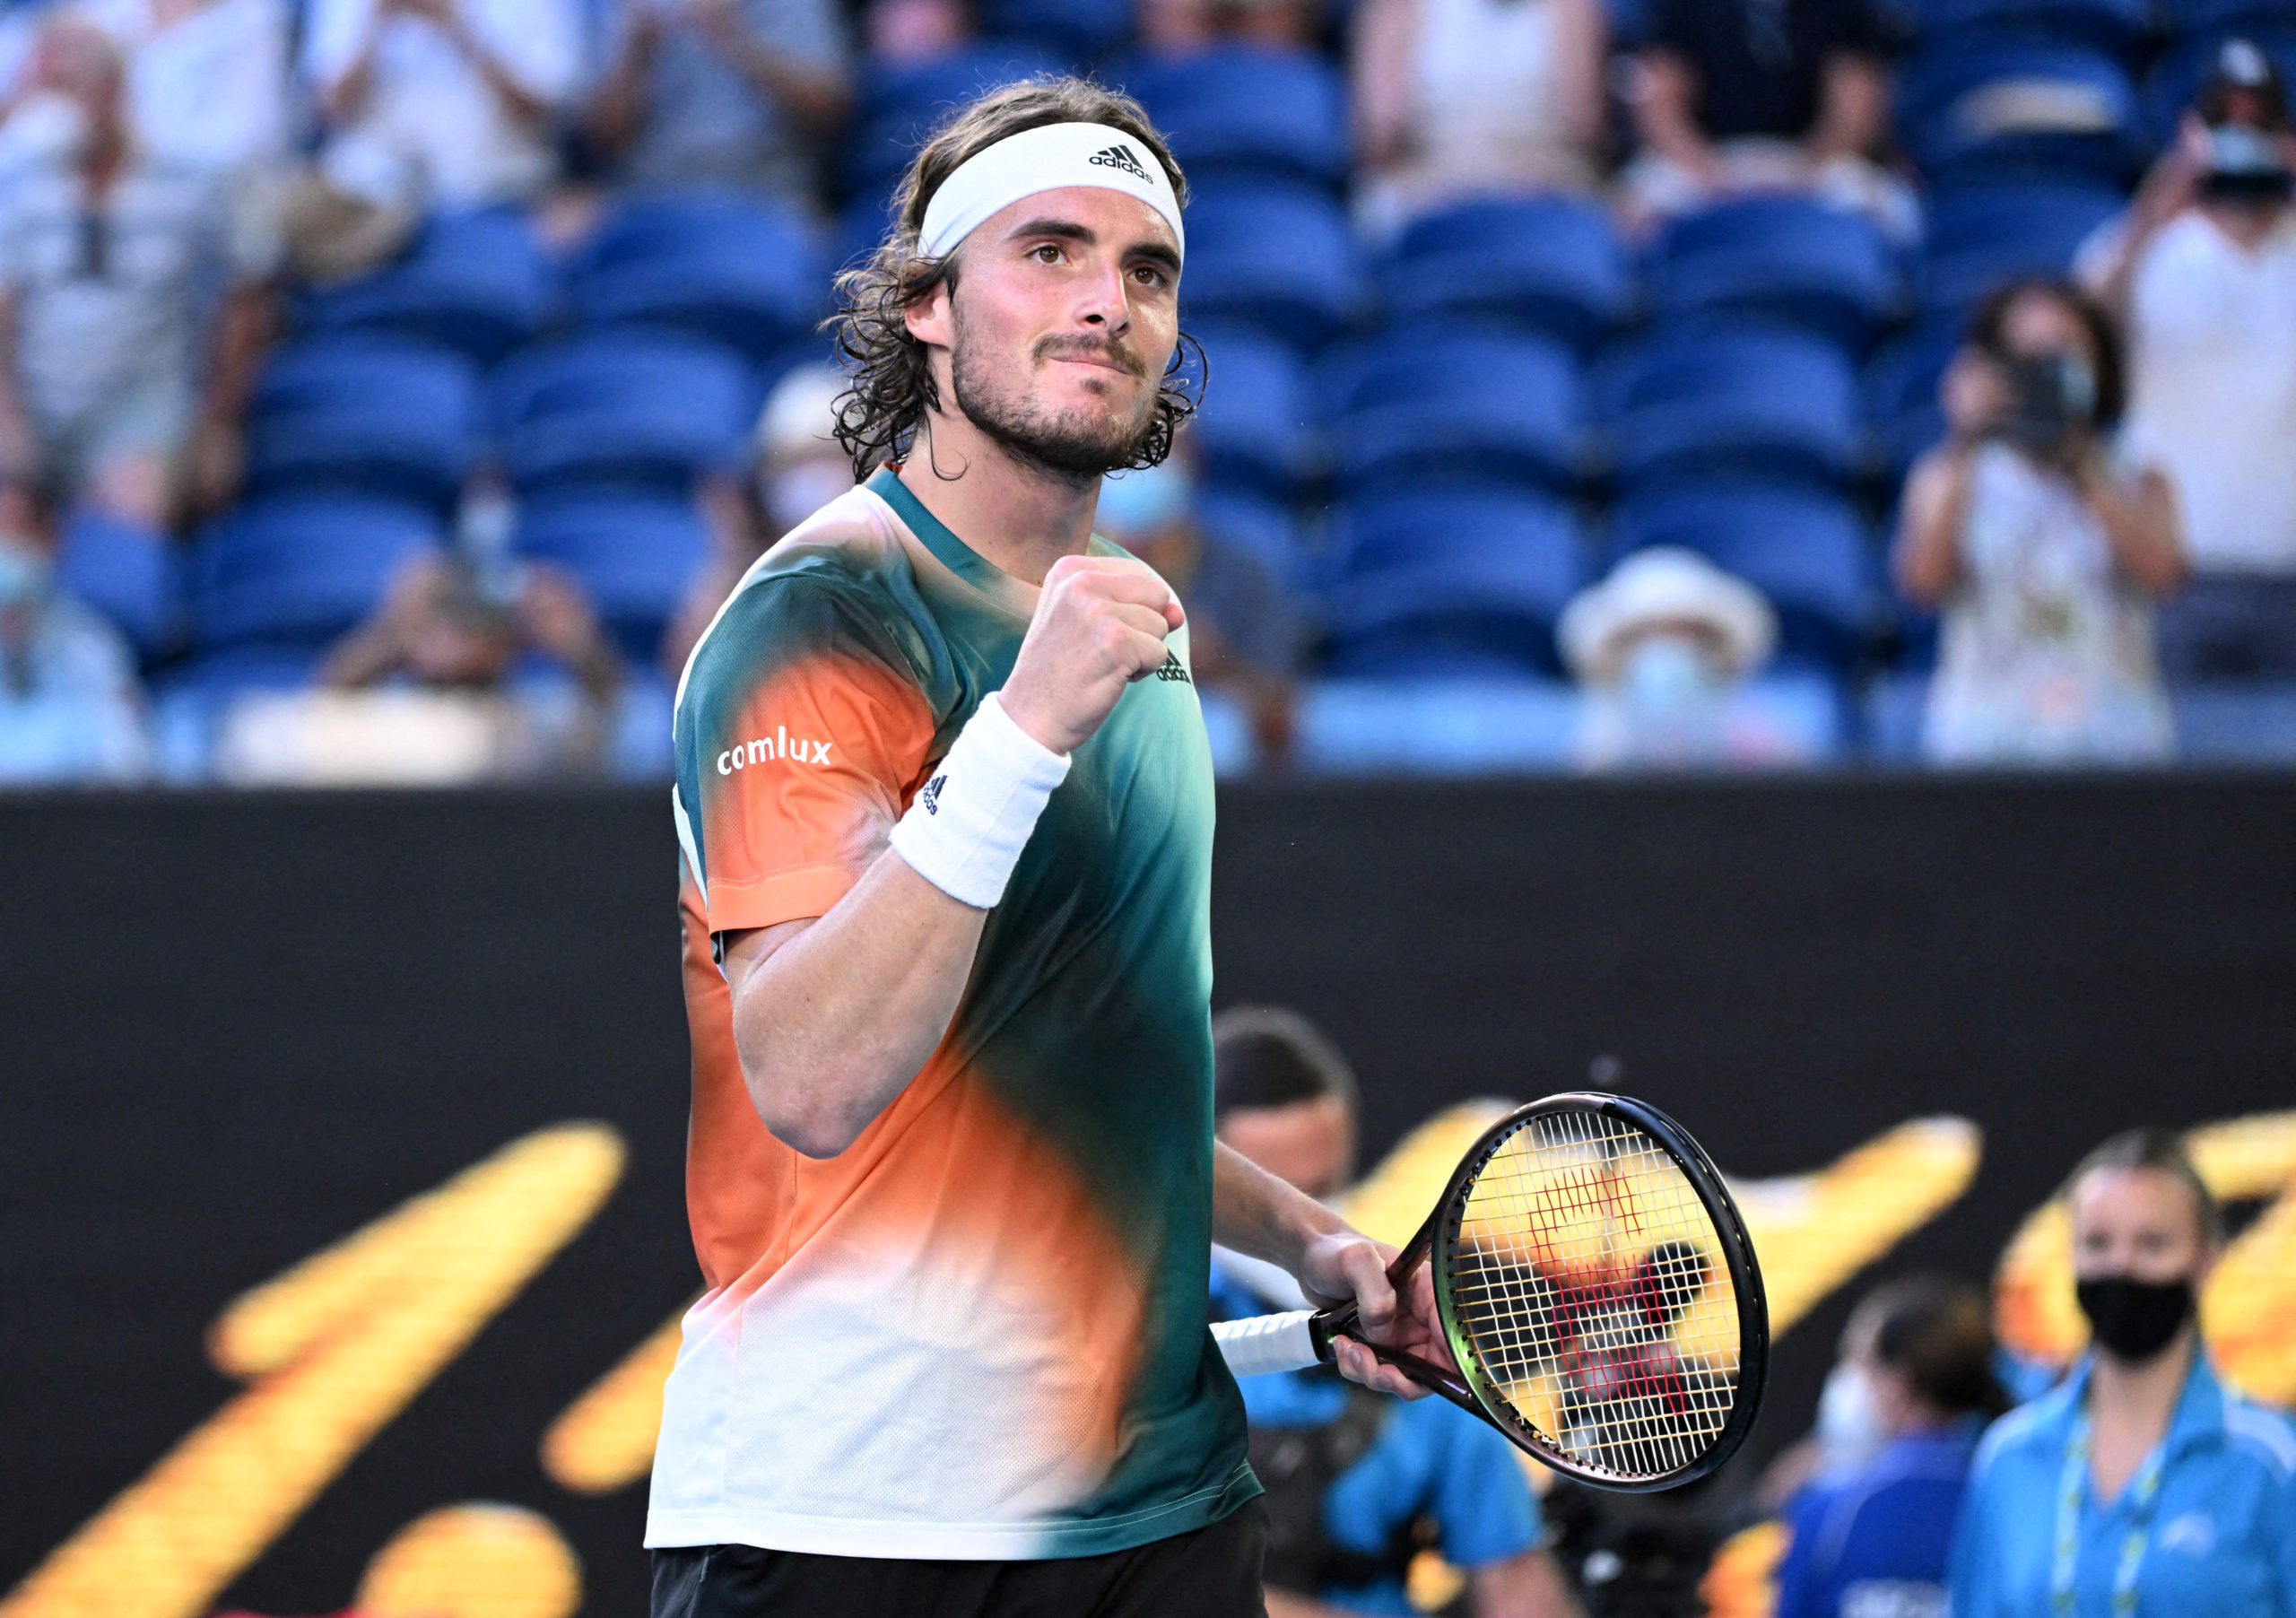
x,y
108,258
1177,26
206,80
1358,1484
730,92
425,691
2204,270
2142,1484
2041,547
1900,1421
1662,649
70,707
456,101
1458,98
1738,96
795,469
904,33
1241,630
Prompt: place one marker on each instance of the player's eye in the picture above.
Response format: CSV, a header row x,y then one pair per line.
x,y
1046,252
1148,275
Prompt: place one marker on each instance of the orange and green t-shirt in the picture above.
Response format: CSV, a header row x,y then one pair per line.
x,y
979,1331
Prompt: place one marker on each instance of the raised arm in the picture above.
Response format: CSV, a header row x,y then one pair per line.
x,y
833,1017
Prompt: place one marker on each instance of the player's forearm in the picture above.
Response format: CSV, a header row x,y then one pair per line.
x,y
833,1018
1255,1212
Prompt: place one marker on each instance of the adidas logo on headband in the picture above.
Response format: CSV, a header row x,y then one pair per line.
x,y
1119,156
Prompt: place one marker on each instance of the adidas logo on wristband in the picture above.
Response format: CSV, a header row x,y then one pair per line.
x,y
931,797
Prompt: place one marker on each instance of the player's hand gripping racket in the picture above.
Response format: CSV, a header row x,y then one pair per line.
x,y
1595,1286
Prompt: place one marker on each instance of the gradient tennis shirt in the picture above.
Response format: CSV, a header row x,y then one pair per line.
x,y
979,1331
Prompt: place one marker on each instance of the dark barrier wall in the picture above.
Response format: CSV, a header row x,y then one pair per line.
x,y
237,1030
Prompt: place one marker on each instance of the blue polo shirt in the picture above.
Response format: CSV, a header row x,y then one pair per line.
x,y
2222,1541
1430,1458
1874,1539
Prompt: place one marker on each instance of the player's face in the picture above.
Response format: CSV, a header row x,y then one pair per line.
x,y
2138,1222
1308,1144
1064,315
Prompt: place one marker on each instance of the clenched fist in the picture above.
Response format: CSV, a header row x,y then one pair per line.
x,y
1100,625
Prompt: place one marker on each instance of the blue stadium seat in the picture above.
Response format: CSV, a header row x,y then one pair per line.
x,y
900,107
130,575
1804,550
1982,108
1251,111
1553,264
1755,400
1780,257
1079,31
1453,580
1252,433
2176,79
739,270
1259,528
2123,27
1982,235
365,410
2187,17
635,552
1457,401
1277,257
474,282
300,569
1901,402
646,408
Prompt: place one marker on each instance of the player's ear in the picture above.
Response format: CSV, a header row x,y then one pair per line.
x,y
930,320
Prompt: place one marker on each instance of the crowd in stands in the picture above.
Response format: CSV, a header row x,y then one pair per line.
x,y
1595,383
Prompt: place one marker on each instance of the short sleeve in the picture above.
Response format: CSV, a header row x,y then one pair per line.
x,y
1484,1502
800,735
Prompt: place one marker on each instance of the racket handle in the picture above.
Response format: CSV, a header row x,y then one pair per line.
x,y
1267,1344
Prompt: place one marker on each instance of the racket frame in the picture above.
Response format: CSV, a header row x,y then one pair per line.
x,y
1474,1390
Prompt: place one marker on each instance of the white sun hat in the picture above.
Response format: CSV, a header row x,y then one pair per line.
x,y
1665,585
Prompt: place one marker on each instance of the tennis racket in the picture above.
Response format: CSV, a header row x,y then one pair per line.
x,y
1595,1286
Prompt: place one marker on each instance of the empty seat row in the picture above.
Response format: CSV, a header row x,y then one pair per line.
x,y
735,269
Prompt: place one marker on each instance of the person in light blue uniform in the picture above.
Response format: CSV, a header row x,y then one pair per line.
x,y
1357,1488
1902,1412
2143,1487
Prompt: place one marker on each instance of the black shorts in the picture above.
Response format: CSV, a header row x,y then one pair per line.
x,y
1212,1572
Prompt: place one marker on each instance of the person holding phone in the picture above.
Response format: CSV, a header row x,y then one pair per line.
x,y
2043,551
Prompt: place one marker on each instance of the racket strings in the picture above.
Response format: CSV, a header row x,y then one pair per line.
x,y
1591,1284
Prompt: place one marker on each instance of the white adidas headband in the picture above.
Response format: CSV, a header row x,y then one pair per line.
x,y
1044,159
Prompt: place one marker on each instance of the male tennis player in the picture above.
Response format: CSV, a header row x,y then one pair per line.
x,y
945,804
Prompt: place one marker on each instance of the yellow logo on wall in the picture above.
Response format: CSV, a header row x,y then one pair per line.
x,y
334,1348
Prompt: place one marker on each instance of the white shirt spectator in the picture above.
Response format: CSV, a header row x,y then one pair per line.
x,y
206,79
2212,332
2047,655
431,105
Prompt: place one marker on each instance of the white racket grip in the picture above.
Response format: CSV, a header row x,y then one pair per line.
x,y
1267,1344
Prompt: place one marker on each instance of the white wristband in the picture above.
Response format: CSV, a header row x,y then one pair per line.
x,y
966,827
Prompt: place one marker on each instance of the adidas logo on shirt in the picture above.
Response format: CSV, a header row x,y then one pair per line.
x,y
1174,669
1119,156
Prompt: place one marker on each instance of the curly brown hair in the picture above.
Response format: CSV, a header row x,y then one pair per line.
x,y
892,372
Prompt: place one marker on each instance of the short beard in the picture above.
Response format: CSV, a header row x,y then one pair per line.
x,y
1075,447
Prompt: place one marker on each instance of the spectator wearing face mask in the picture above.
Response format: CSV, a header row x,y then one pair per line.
x,y
70,707
2203,273
2041,545
1661,648
122,375
796,468
2142,1486
1898,1423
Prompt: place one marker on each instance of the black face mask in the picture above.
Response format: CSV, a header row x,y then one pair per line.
x,y
2134,1320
